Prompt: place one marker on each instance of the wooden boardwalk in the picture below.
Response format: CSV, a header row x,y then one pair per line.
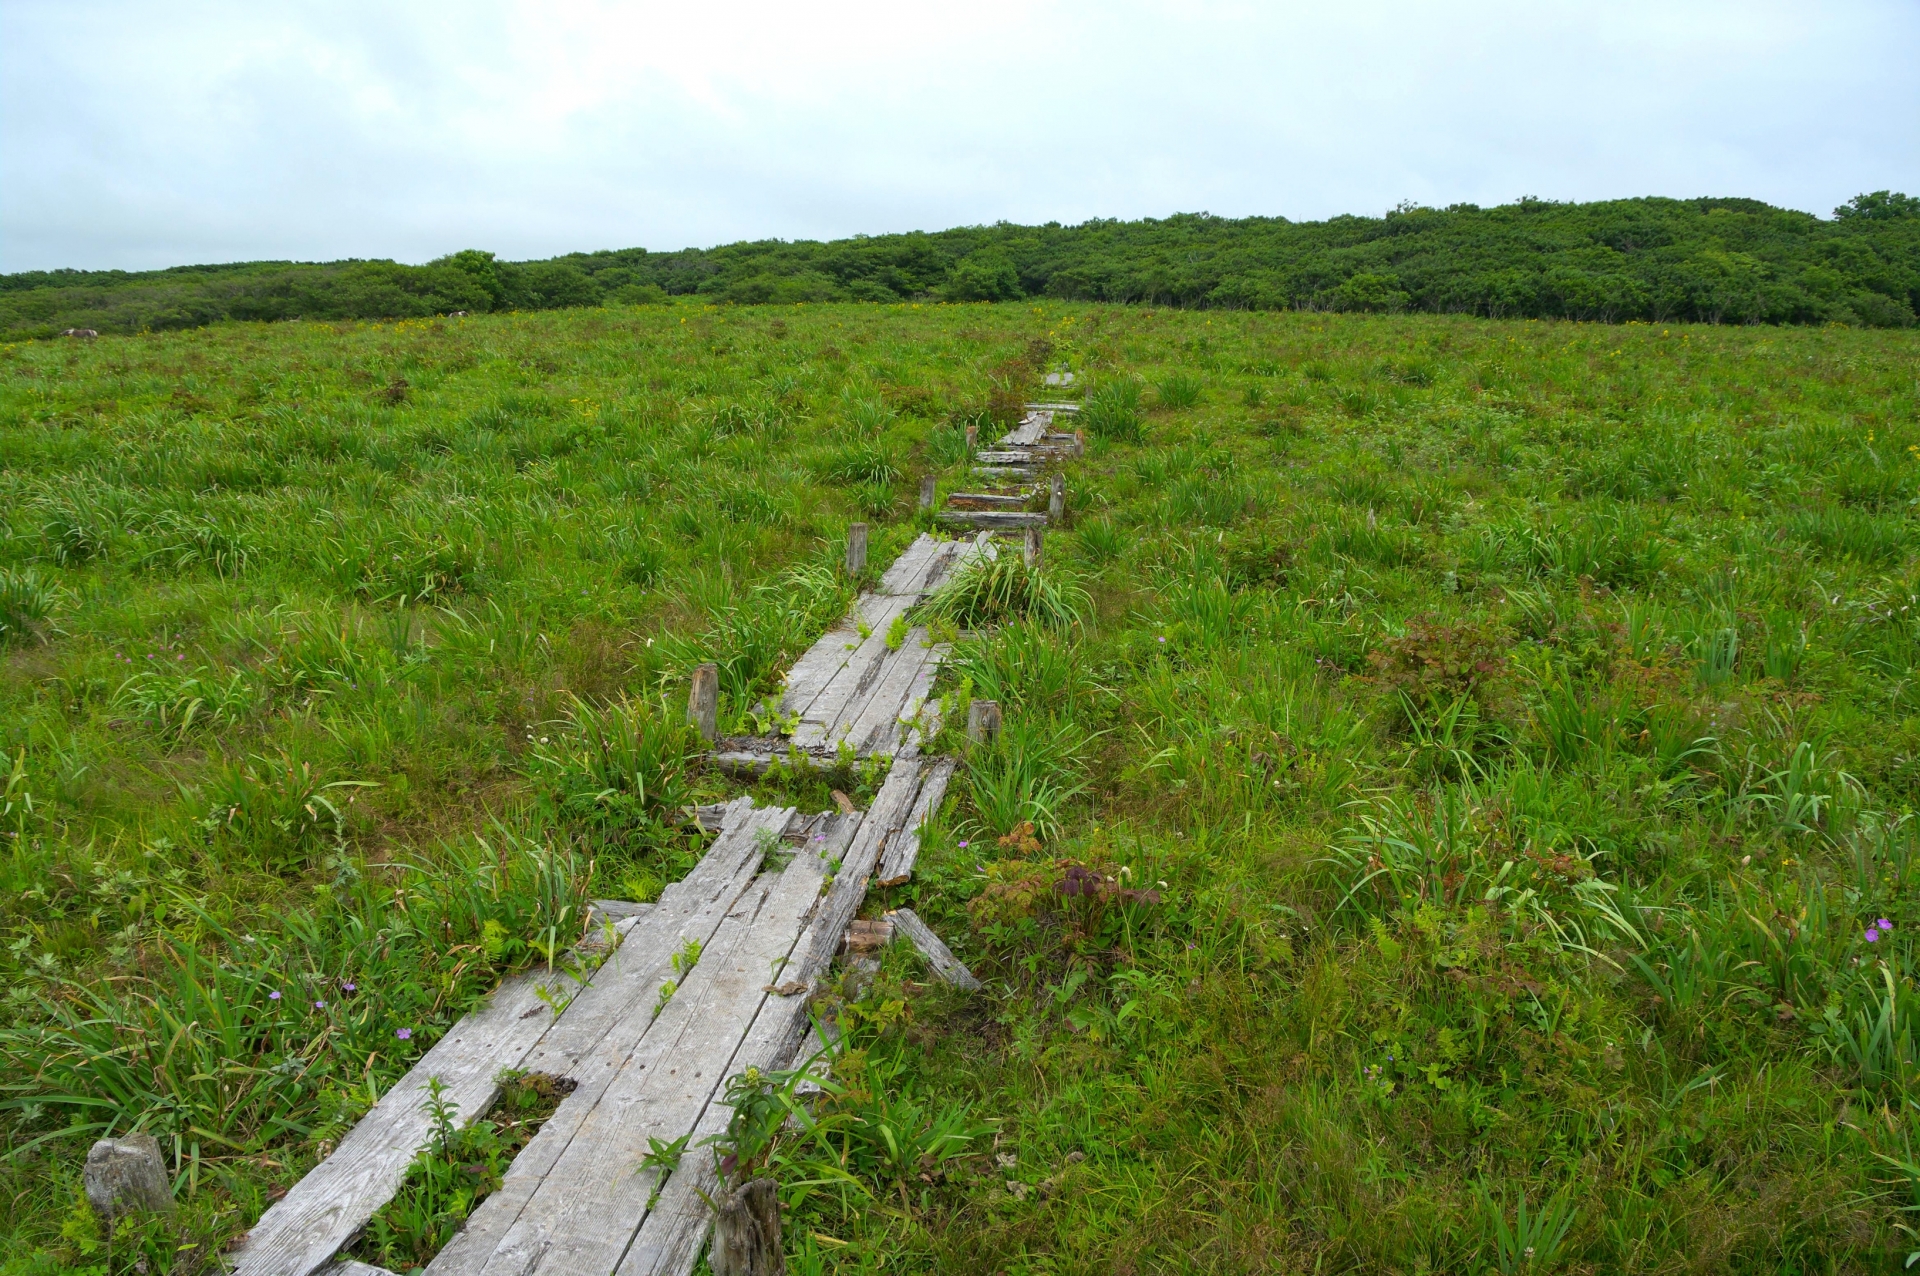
x,y
712,979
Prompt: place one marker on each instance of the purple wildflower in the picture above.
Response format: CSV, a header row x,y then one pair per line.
x,y
963,844
1873,936
1884,924
274,995
319,1005
405,1034
347,987
1161,638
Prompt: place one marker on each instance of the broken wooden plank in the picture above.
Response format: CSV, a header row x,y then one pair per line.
x,y
616,910
669,1241
1053,407
945,965
301,1232
593,1041
896,866
1031,429
353,1267
583,1215
992,519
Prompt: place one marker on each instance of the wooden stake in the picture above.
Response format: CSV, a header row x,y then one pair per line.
x,y
703,702
926,492
1057,502
973,438
1033,546
746,1232
983,721
856,549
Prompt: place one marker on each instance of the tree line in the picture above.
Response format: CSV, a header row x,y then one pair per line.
x,y
1657,260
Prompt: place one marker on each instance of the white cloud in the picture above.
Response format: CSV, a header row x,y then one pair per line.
x,y
140,135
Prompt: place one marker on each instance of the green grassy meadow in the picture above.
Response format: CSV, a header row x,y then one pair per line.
x,y
1455,811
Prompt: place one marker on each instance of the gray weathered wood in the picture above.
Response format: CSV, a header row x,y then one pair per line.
x,y
1035,547
945,965
746,1232
987,500
703,700
983,721
615,910
1006,471
593,1041
856,549
127,1176
896,865
973,437
866,722
1053,407
926,491
354,1267
917,564
669,1241
997,520
583,1214
819,684
306,1228
854,679
1032,428
1057,498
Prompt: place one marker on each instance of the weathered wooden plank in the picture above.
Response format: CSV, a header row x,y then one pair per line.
x,y
1006,471
823,671
353,1267
945,965
595,1038
302,1231
669,1242
896,865
1033,426
993,519
867,718
905,570
594,1200
1053,407
617,910
853,680
988,500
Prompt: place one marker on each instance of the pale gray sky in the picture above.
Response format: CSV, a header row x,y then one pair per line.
x,y
144,134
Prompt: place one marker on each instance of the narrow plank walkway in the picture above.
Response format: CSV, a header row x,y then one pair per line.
x,y
712,979
1021,455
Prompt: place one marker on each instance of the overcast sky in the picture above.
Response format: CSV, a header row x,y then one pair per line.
x,y
145,134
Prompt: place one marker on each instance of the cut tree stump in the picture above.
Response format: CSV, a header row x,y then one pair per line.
x,y
127,1176
746,1232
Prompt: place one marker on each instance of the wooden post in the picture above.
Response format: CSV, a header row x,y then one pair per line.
x,y
1033,546
1057,501
746,1232
973,439
856,549
1079,442
703,702
983,721
926,492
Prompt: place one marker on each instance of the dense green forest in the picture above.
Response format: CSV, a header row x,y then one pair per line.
x,y
1699,260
